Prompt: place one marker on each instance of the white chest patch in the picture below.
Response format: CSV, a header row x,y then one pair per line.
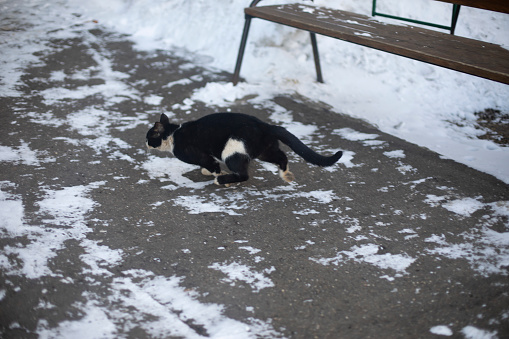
x,y
167,145
232,147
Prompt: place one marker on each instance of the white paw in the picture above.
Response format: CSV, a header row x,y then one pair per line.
x,y
287,175
205,171
218,184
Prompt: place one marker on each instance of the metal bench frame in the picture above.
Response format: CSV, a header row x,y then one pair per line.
x,y
454,18
245,33
314,45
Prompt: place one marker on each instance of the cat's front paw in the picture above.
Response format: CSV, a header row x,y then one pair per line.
x,y
205,171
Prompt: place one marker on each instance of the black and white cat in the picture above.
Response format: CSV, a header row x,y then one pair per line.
x,y
234,139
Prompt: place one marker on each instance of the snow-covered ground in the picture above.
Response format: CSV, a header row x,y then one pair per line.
x,y
418,102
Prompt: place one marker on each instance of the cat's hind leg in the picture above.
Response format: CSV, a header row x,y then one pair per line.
x,y
276,156
238,163
210,167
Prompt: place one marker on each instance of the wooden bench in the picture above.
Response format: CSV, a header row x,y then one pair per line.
x,y
465,55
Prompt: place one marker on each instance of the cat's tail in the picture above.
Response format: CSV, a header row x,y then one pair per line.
x,y
301,149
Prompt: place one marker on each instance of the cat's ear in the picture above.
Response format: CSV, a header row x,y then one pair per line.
x,y
164,119
159,128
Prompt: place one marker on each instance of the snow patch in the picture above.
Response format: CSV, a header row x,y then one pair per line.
x,y
369,253
353,135
397,154
441,330
485,249
153,99
173,170
11,210
471,332
160,306
196,204
235,271
21,154
63,215
464,207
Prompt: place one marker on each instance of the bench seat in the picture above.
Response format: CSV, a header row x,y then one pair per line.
x,y
466,55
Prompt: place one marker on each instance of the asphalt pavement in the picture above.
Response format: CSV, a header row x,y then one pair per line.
x,y
393,242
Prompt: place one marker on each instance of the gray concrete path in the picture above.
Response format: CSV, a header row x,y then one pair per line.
x,y
101,238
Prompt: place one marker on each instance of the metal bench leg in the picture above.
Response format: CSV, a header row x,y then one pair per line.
x,y
455,14
319,77
236,73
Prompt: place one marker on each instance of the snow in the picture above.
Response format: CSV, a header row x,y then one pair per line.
x,y
369,253
250,249
236,271
62,213
11,209
441,330
113,89
464,207
21,154
172,170
471,332
153,100
95,324
353,135
197,204
395,154
165,305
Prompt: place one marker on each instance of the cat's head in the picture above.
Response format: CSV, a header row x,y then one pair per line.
x,y
157,136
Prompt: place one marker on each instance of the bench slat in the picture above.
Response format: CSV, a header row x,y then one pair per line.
x,y
461,54
492,5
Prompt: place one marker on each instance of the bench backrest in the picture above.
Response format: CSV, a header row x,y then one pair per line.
x,y
492,5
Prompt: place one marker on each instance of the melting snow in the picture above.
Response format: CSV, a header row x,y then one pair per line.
x,y
236,271
369,253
